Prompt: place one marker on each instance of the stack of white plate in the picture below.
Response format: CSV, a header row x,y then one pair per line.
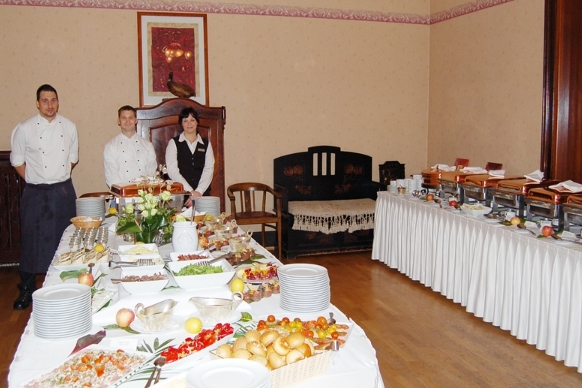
x,y
304,287
62,311
91,206
208,205
229,372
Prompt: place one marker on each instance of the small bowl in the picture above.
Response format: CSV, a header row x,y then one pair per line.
x,y
156,317
193,282
144,287
475,210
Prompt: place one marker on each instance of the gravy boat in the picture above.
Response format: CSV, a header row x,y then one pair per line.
x,y
217,309
157,316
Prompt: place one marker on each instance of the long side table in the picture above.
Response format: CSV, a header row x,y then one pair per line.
x,y
354,365
530,286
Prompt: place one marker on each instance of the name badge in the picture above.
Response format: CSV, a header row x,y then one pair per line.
x,y
200,149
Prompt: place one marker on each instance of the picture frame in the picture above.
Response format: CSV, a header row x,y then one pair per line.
x,y
172,42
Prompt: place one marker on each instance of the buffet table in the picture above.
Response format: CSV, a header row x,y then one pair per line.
x,y
353,365
530,286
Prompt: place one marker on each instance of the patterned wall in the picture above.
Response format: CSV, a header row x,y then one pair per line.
x,y
356,81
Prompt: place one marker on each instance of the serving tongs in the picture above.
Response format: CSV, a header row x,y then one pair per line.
x,y
137,263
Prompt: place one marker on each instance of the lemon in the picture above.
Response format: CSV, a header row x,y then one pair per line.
x,y
112,211
98,248
193,325
237,285
209,217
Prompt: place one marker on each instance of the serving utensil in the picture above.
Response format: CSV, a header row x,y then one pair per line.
x,y
557,237
137,263
158,364
522,226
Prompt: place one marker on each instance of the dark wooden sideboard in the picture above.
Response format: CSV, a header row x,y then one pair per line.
x,y
11,186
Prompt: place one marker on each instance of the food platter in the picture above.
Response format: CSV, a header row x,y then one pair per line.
x,y
267,271
115,366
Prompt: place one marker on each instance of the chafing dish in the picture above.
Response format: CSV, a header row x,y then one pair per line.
x,y
479,187
546,202
451,182
431,176
572,211
511,193
125,194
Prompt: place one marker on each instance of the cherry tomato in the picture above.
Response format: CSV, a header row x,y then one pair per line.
x,y
321,334
324,326
335,335
317,326
321,320
286,320
271,318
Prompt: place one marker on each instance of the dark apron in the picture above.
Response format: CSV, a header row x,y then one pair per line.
x,y
45,212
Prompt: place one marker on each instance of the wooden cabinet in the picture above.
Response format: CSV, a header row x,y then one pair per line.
x,y
11,186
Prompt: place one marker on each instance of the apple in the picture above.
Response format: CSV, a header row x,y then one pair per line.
x,y
86,279
429,197
124,317
453,203
515,221
547,231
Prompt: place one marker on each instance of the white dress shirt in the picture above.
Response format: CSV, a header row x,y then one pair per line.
x,y
174,171
48,149
125,159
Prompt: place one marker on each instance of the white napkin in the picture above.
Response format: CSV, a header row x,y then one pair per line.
x,y
497,173
444,167
568,185
474,170
537,176
188,213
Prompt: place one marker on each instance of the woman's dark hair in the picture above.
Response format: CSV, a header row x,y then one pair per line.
x,y
188,112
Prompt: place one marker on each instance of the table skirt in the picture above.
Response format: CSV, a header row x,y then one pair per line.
x,y
527,285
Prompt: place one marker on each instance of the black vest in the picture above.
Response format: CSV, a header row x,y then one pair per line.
x,y
191,164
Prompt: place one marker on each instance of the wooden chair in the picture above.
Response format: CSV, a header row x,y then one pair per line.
x,y
252,199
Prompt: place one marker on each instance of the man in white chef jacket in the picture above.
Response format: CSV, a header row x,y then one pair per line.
x,y
128,156
45,148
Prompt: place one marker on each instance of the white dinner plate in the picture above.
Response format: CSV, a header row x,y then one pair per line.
x,y
61,292
228,373
301,270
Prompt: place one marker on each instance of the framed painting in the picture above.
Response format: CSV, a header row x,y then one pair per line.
x,y
172,47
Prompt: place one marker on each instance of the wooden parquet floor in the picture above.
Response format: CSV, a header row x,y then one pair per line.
x,y
421,338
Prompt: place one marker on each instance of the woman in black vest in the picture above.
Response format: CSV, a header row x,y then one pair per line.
x,y
189,158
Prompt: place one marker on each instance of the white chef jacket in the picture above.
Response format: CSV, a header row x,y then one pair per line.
x,y
174,171
125,159
48,149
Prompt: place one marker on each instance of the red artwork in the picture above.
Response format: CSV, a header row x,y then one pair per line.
x,y
172,50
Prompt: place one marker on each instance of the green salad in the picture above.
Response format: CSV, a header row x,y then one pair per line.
x,y
197,269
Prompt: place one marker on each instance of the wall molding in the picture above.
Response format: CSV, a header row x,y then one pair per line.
x,y
265,10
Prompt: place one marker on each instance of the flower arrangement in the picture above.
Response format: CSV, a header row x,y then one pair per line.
x,y
150,218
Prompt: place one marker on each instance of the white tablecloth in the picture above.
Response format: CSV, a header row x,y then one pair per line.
x,y
354,365
530,286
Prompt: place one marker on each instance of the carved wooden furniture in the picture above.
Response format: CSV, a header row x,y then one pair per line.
x,y
252,199
11,187
391,171
323,173
160,124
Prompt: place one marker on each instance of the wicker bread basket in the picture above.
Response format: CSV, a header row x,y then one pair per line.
x,y
85,222
298,371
